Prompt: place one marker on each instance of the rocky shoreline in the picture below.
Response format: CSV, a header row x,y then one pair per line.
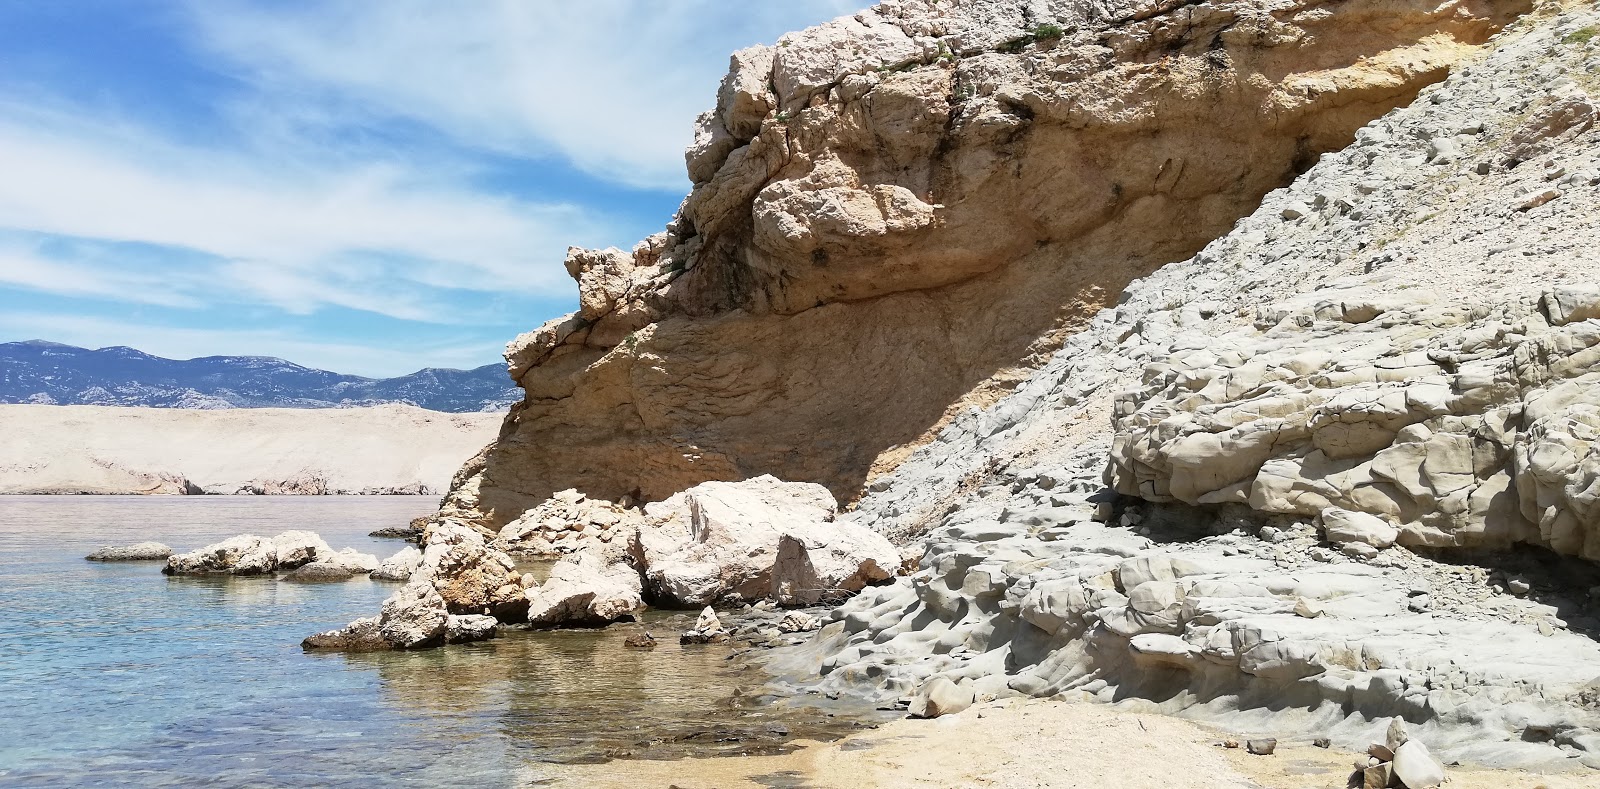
x,y
1327,476
1326,469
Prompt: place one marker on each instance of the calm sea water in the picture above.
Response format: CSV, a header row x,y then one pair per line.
x,y
115,675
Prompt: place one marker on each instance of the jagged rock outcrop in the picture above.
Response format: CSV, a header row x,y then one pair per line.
x,y
899,212
471,576
566,523
1396,344
416,617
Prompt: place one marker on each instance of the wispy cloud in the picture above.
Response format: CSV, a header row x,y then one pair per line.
x,y
66,178
22,267
611,85
344,168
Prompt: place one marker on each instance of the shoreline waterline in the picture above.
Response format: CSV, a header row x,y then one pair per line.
x,y
117,675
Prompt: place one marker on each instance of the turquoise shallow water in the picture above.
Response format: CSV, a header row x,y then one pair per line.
x,y
115,675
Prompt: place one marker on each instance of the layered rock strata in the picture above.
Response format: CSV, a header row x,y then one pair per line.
x,y
1394,348
899,212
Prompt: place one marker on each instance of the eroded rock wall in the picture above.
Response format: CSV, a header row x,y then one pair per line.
x,y
897,213
1404,334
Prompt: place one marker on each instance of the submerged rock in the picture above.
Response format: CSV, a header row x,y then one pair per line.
x,y
640,640
469,628
321,571
139,552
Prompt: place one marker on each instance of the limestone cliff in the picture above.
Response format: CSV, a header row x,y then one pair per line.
x,y
897,214
1355,445
1189,374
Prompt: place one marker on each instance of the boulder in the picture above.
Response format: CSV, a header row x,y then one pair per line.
x,y
798,622
399,566
320,571
1416,767
248,554
708,629
471,576
1344,526
468,628
352,560
723,541
588,589
412,618
940,696
830,562
139,552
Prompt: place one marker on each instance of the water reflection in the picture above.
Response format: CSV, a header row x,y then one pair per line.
x,y
115,675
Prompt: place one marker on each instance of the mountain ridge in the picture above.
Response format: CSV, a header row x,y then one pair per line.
x,y
52,373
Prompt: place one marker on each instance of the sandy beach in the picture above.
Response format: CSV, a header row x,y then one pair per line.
x,y
1020,744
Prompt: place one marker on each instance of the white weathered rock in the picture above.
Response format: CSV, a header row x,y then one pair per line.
x,y
139,552
760,538
321,571
798,622
707,629
351,560
1343,526
939,696
586,589
1416,767
399,566
248,554
565,523
469,628
413,617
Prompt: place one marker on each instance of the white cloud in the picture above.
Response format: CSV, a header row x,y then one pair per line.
x,y
611,85
345,169
22,267
297,233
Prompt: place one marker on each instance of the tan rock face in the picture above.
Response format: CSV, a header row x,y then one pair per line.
x,y
895,208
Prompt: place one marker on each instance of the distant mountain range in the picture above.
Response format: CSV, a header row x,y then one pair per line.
x,y
47,372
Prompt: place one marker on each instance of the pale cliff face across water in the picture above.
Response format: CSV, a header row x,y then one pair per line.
x,y
115,675
112,450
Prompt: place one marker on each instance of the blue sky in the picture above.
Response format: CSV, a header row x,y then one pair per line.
x,y
367,187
